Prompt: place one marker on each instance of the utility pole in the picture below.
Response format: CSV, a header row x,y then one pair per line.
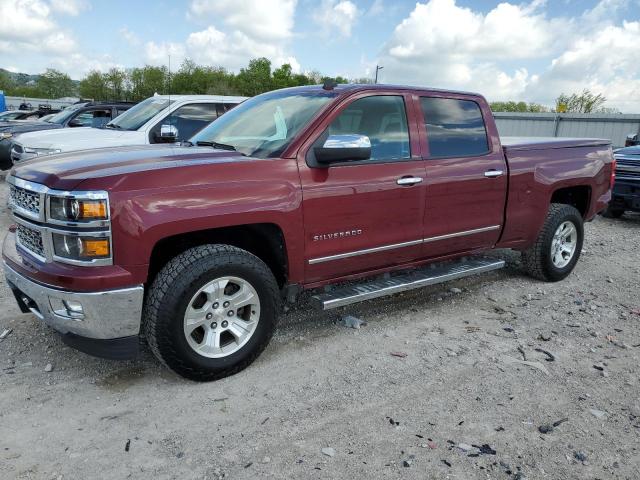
x,y
378,68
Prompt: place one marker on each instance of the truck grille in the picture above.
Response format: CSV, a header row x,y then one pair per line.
x,y
24,199
30,239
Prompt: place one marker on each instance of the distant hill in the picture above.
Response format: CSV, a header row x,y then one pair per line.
x,y
21,79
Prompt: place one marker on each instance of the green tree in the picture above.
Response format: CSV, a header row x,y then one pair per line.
x,y
93,86
511,106
256,78
116,83
6,82
55,84
585,102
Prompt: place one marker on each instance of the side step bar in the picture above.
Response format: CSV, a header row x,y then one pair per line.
x,y
429,275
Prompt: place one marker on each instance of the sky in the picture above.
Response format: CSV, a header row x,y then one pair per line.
x,y
531,50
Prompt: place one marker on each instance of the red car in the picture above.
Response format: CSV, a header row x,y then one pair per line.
x,y
194,247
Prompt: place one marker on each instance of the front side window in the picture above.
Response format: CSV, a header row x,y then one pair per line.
x,y
188,120
455,128
62,116
265,125
92,118
383,119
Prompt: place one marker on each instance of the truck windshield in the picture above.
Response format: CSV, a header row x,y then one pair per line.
x,y
265,125
140,114
63,115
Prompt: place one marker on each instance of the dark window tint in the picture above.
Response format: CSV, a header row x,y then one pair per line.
x,y
381,118
91,118
188,119
224,107
455,128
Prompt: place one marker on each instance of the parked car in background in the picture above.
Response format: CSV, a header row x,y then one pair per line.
x,y
632,140
85,114
626,191
26,114
194,245
159,119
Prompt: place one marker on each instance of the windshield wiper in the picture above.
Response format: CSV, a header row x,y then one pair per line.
x,y
113,125
221,146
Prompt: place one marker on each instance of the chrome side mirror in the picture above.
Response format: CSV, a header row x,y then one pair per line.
x,y
632,139
344,148
168,134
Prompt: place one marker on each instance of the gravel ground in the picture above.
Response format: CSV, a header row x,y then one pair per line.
x,y
325,401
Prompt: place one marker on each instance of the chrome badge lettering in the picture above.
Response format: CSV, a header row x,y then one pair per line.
x,y
336,235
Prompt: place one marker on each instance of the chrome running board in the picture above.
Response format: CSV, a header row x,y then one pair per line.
x,y
429,275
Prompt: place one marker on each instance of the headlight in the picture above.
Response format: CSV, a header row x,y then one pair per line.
x,y
41,151
77,210
5,135
81,248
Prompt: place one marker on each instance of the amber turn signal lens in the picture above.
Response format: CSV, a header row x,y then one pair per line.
x,y
95,248
93,209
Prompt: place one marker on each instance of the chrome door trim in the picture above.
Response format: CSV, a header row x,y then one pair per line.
x,y
462,234
383,248
356,253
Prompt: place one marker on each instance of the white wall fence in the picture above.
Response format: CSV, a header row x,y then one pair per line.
x,y
14,102
614,127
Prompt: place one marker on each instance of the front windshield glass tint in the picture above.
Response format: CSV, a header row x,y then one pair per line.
x,y
63,115
140,114
265,125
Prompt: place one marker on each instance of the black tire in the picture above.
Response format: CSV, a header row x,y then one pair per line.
x,y
174,287
612,212
537,260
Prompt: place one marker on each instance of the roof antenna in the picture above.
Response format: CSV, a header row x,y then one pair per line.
x,y
169,80
329,84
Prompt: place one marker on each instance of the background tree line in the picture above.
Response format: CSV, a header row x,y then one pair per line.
x,y
257,77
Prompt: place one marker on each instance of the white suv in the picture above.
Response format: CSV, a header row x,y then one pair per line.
x,y
159,119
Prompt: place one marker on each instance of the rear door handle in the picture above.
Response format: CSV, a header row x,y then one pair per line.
x,y
408,180
493,173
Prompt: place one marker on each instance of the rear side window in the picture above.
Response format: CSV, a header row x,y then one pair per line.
x,y
455,128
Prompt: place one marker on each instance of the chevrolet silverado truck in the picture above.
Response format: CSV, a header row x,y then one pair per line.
x,y
371,189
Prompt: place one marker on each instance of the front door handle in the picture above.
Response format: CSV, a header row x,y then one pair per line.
x,y
493,173
408,180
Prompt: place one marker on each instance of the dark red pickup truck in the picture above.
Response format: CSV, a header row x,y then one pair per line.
x,y
194,247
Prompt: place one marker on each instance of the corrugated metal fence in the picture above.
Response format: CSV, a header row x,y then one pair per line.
x,y
614,127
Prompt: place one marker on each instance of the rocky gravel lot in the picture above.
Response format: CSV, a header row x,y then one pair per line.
x,y
434,386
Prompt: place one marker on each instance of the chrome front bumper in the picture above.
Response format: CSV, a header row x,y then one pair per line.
x,y
97,315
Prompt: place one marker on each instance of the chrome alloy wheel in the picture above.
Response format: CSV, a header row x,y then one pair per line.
x,y
221,317
563,244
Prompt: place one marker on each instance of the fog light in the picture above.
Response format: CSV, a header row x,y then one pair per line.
x,y
73,308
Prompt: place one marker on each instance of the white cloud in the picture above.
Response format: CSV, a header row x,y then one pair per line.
x,y
442,44
257,19
235,33
338,16
130,37
25,20
69,7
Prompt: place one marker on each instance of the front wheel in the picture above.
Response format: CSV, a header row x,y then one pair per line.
x,y
211,311
558,245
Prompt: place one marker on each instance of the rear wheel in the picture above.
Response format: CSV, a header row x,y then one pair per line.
x,y
558,246
211,311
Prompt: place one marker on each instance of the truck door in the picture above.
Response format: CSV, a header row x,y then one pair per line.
x,y
466,174
361,215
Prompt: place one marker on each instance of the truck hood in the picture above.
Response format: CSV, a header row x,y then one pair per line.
x,y
18,126
67,170
635,150
81,138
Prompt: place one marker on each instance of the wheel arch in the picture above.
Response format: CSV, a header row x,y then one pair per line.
x,y
264,240
578,196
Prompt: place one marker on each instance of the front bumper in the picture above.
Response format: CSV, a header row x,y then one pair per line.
x,y
104,316
626,193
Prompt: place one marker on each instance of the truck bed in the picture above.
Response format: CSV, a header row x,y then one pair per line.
x,y
545,143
